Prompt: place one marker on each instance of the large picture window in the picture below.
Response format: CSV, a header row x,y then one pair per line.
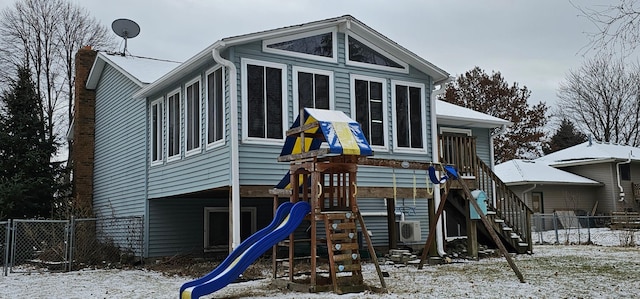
x,y
362,53
173,125
312,89
408,115
156,125
215,106
192,116
369,107
263,96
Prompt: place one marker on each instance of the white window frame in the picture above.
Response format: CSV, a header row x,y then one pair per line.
x,y
177,156
220,142
385,107
423,122
187,119
455,130
159,138
245,131
295,71
208,210
334,46
405,66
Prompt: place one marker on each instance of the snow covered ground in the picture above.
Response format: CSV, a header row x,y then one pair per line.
x,y
553,271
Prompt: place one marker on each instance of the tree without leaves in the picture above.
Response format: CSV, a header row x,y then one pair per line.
x,y
602,99
490,94
27,181
44,36
618,27
566,136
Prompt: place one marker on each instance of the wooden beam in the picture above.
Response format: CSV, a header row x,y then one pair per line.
x,y
305,155
393,163
387,192
298,130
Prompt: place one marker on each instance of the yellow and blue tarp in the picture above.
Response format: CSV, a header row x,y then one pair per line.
x,y
343,135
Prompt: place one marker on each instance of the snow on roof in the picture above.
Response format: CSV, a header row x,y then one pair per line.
x,y
590,153
144,69
450,114
520,172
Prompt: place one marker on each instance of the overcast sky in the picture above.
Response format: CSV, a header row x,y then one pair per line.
x,y
534,43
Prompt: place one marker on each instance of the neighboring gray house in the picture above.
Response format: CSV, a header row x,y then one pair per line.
x,y
580,178
192,147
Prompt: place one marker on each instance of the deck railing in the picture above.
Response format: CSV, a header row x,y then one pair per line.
x,y
461,151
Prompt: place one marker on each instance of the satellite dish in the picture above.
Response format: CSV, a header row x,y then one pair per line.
x,y
126,29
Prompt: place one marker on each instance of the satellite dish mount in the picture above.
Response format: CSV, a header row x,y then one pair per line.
x,y
126,29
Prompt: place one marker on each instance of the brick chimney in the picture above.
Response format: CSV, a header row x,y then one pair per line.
x,y
83,144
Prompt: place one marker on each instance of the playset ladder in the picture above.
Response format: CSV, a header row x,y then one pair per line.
x,y
343,250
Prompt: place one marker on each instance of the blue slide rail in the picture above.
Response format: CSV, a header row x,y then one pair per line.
x,y
288,218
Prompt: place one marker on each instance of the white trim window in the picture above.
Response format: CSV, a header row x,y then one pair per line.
x,y
216,222
174,134
156,129
362,53
263,101
312,89
318,45
408,116
193,116
369,106
215,107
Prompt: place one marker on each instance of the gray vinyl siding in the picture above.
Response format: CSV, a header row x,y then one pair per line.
x,y
562,197
606,174
204,170
258,162
120,154
483,144
176,225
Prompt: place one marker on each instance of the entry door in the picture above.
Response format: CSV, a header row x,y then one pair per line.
x,y
536,202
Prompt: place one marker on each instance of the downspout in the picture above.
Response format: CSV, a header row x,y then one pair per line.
x,y
436,158
235,164
524,193
618,176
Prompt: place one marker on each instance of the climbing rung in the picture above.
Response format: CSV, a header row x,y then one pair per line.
x,y
338,215
345,257
343,225
345,246
348,268
342,236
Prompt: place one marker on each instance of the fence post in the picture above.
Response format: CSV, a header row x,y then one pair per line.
x,y
7,242
555,227
71,236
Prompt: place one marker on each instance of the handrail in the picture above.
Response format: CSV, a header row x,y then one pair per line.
x,y
507,205
461,151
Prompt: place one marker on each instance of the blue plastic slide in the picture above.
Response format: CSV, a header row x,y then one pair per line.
x,y
288,218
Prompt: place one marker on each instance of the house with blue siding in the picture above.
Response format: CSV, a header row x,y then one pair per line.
x,y
193,146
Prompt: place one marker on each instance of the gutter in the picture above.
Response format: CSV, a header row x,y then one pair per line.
x,y
235,164
618,176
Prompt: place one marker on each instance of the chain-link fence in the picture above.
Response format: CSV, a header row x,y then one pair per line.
x,y
62,245
570,229
4,249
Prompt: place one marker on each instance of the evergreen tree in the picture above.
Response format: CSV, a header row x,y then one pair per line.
x,y
492,95
27,183
566,136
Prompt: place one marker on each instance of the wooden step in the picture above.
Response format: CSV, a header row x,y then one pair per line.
x,y
345,237
345,257
497,220
345,246
343,226
506,228
340,215
348,268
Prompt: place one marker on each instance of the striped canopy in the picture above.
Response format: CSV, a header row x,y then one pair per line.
x,y
342,134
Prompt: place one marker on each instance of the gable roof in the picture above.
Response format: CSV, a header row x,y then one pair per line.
x,y
450,114
590,152
141,71
344,23
527,172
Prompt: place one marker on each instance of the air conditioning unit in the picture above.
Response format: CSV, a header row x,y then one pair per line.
x,y
410,231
